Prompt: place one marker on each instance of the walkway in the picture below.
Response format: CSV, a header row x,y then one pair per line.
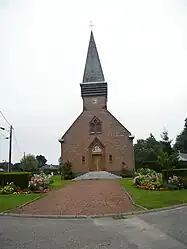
x,y
87,197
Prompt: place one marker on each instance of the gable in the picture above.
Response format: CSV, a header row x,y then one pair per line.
x,y
68,130
83,121
119,123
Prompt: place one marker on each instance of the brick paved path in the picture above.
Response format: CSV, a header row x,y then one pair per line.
x,y
86,197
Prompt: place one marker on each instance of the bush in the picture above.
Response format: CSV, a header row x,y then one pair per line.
x,y
180,173
40,182
145,171
174,182
20,179
66,171
126,173
8,189
148,178
171,172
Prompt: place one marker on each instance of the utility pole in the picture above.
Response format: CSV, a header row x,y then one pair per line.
x,y
10,149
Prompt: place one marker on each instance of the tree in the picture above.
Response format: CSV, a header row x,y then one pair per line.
x,y
166,143
17,167
146,149
4,165
60,160
66,171
41,160
181,140
167,161
29,163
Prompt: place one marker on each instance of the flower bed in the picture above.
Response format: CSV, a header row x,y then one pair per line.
x,y
149,187
22,192
150,180
38,184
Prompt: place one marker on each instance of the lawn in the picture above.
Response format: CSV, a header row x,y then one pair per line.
x,y
58,183
154,199
12,201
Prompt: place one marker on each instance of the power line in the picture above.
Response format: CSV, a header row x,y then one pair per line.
x,y
5,118
16,141
3,135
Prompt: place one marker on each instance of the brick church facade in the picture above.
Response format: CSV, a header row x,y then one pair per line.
x,y
96,140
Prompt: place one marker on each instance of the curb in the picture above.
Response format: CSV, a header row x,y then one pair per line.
x,y
114,216
131,199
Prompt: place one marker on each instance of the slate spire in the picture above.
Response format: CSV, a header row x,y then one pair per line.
x,y
93,71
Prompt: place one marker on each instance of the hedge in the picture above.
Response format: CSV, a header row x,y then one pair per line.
x,y
171,172
20,179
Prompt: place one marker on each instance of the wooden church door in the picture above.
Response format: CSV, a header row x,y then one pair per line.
x,y
97,162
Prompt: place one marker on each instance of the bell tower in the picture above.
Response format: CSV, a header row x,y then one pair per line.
x,y
93,86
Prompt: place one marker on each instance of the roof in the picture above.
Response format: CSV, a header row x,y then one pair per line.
x,y
93,71
119,122
182,157
50,166
72,125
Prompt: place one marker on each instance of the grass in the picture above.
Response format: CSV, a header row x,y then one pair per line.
x,y
12,201
58,183
8,202
154,199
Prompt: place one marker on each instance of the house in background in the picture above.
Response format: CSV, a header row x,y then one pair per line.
x,y
182,157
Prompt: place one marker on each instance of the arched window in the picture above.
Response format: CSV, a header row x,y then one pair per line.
x,y
95,125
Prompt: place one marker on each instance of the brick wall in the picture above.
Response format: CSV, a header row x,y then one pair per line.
x,y
114,137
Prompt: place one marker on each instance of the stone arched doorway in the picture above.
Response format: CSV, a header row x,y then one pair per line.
x,y
96,151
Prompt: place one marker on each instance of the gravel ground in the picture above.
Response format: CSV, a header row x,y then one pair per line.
x,y
97,175
88,197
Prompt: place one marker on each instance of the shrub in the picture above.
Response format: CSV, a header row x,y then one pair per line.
x,y
8,189
20,179
126,173
40,182
174,182
145,171
148,178
184,182
66,171
171,172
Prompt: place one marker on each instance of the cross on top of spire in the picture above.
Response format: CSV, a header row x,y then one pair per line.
x,y
91,25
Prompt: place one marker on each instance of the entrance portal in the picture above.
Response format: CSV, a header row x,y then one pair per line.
x,y
97,163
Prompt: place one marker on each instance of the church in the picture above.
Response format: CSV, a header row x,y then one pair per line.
x,y
96,141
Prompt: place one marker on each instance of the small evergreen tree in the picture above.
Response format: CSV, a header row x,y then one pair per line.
x,y
166,143
66,171
181,140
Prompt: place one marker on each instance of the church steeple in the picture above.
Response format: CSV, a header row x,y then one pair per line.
x,y
93,71
93,79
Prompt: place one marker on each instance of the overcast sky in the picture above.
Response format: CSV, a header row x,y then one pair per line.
x,y
43,44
